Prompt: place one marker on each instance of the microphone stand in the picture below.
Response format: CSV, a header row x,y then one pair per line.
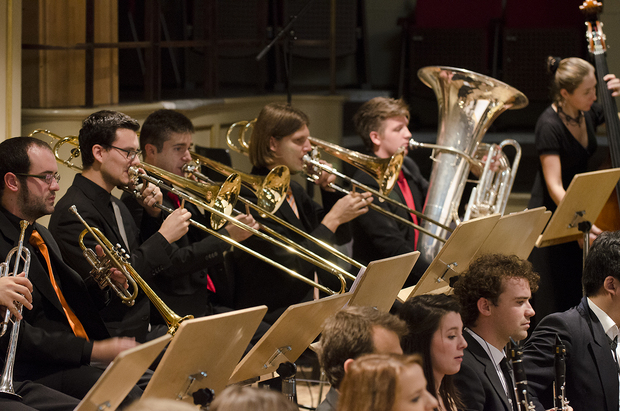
x,y
288,48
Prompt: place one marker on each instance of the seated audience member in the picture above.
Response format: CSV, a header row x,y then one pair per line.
x,y
236,398
382,124
494,293
17,289
109,147
280,138
350,333
436,332
589,332
382,382
63,333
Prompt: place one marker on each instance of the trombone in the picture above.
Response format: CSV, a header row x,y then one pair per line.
x,y
114,258
192,168
385,171
20,253
338,272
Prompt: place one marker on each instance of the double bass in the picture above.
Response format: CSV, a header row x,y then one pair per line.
x,y
609,219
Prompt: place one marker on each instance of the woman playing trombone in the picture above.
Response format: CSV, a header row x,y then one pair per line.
x,y
280,137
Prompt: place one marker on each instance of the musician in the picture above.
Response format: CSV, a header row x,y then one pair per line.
x,y
165,141
565,136
382,124
350,333
62,333
109,146
280,137
494,294
589,331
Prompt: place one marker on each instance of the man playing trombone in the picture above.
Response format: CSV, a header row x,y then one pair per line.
x,y
109,147
62,332
382,124
280,138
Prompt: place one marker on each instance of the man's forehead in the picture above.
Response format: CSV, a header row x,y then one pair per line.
x,y
41,160
515,287
175,139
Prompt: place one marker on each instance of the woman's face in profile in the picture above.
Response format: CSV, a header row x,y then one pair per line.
x,y
411,393
447,345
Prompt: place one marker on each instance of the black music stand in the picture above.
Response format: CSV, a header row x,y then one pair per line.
x,y
584,199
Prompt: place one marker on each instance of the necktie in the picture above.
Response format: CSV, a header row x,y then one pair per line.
x,y
119,224
291,201
404,188
614,344
74,322
504,365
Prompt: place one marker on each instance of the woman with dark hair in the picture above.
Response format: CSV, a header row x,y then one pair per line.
x,y
385,382
436,332
565,136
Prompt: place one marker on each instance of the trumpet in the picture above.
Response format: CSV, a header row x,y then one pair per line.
x,y
115,259
295,250
21,254
274,175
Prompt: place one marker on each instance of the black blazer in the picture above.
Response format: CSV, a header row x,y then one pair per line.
x,y
377,236
477,381
591,374
330,403
148,258
257,282
46,342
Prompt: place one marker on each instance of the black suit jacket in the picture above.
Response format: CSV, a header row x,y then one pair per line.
x,y
477,381
46,342
377,236
183,286
330,403
257,282
591,374
148,258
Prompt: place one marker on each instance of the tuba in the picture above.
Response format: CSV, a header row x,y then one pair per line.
x,y
468,104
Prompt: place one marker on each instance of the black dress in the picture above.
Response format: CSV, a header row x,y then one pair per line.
x,y
560,266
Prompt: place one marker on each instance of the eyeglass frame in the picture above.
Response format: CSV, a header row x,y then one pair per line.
x,y
132,153
46,176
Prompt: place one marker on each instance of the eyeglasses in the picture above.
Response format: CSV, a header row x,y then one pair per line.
x,y
48,177
131,154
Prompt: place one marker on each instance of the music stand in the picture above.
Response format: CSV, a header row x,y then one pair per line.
x,y
584,199
515,233
121,375
281,344
203,354
380,283
454,256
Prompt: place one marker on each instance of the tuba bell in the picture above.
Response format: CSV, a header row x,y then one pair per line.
x,y
468,104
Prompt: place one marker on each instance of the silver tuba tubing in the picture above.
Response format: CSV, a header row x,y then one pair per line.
x,y
468,104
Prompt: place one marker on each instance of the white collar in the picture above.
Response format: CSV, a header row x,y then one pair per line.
x,y
609,326
494,354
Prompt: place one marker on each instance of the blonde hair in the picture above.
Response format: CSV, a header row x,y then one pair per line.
x,y
567,74
160,404
237,398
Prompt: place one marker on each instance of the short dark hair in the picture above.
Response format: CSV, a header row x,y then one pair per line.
x,y
348,334
603,260
100,128
371,115
159,124
423,315
484,278
14,155
277,121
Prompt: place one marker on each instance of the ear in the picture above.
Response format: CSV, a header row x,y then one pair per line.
x,y
347,364
375,138
150,150
11,182
273,143
98,152
565,94
611,285
484,306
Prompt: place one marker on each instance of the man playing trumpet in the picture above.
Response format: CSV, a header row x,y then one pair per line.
x,y
62,332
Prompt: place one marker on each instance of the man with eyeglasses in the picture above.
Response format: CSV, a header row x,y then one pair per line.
x,y
109,147
61,331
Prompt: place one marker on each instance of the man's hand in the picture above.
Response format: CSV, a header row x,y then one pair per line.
x,y
346,209
18,289
175,225
239,234
105,351
115,274
325,179
150,195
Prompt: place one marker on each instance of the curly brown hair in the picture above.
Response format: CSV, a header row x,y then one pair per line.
x,y
484,278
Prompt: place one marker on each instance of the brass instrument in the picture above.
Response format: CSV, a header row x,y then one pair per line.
x,y
119,261
295,250
273,177
73,140
468,103
560,402
21,254
515,354
385,171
